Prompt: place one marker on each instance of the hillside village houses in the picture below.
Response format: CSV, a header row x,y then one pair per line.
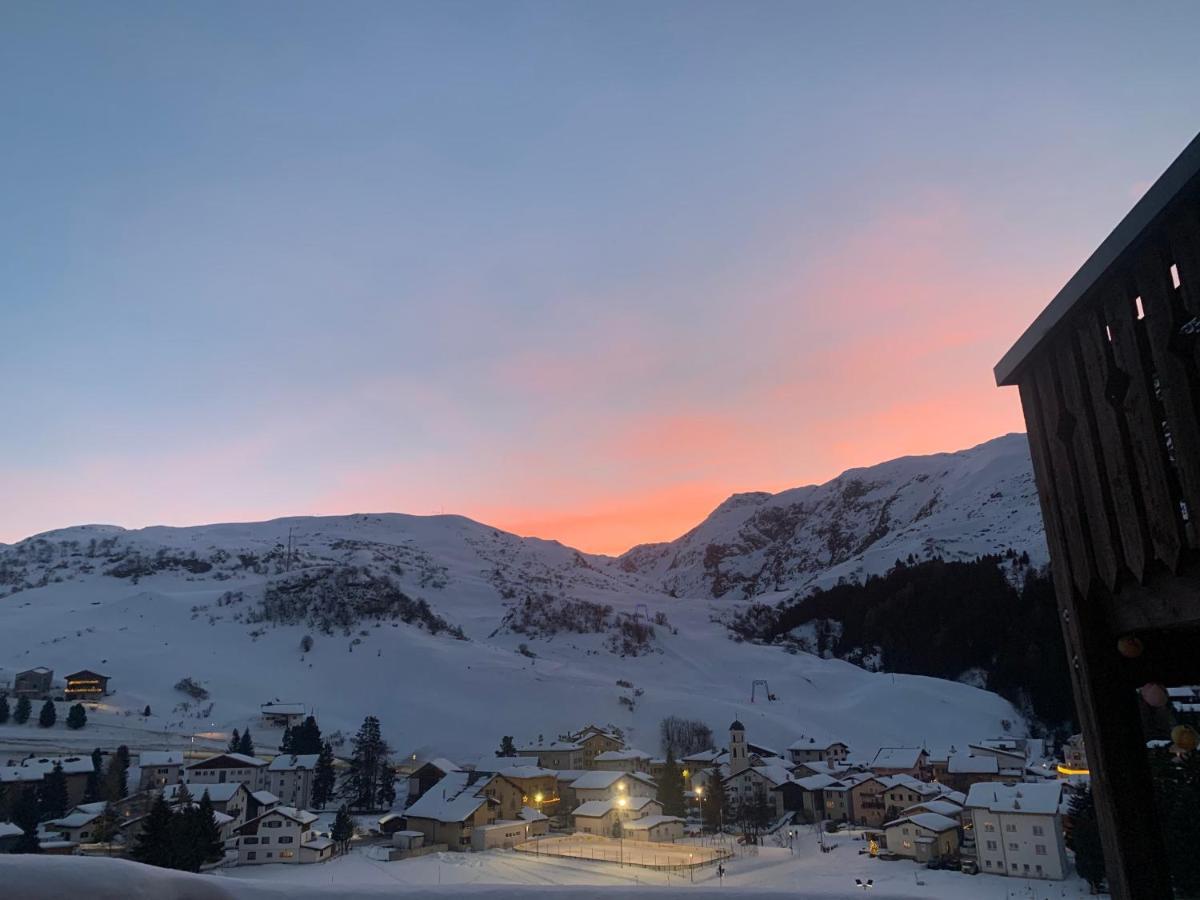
x,y
1017,827
228,767
33,684
159,768
290,778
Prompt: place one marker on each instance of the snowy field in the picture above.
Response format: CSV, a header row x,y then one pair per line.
x,y
625,852
772,872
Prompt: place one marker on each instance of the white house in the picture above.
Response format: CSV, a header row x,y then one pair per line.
x,y
224,768
284,835
922,836
757,782
597,785
159,768
631,760
1018,828
79,825
817,748
290,777
230,798
655,827
601,816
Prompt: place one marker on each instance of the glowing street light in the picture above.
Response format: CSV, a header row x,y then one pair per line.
x,y
621,801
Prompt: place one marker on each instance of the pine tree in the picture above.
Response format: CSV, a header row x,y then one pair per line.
x,y
48,716
25,817
306,738
106,826
507,747
714,803
4,710
153,845
76,717
235,741
1176,798
184,851
1085,840
146,712
91,790
323,777
208,832
670,787
343,828
246,744
287,744
54,794
116,777
370,783
23,710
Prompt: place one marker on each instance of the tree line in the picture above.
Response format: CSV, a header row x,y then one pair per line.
x,y
47,716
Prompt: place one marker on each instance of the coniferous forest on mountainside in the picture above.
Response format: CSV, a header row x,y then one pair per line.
x,y
994,616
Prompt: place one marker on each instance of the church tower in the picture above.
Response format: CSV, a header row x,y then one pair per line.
x,y
738,759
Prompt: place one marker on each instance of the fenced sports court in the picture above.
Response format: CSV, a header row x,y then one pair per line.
x,y
647,854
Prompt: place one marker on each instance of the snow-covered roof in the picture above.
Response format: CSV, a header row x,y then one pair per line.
x,y
941,807
8,829
1016,797
930,821
595,781
301,816
217,793
452,799
597,808
283,709
526,772
266,798
74,820
646,822
288,762
924,788
391,817
621,755
97,807
227,761
816,782
547,745
703,757
148,758
529,814
815,742
496,763
963,764
317,843
897,758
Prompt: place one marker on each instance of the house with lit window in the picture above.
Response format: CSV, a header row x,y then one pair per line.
x,y
159,768
223,768
604,817
912,761
922,836
1018,828
814,748
283,835
631,760
86,685
450,811
598,785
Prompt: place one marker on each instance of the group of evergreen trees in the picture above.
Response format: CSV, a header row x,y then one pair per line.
x,y
241,743
942,619
305,738
181,837
50,800
371,782
47,716
108,783
670,787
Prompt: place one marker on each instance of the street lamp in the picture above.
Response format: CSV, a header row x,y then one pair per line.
x,y
700,797
621,801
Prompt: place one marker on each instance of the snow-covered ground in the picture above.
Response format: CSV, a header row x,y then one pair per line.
x,y
773,872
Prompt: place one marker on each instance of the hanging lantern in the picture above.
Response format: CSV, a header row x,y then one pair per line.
x,y
1154,694
1130,646
1183,738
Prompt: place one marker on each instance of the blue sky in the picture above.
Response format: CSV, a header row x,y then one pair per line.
x,y
577,269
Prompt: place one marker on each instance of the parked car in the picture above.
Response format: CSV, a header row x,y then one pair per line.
x,y
969,867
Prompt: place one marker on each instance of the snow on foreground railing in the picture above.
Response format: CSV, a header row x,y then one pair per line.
x,y
54,877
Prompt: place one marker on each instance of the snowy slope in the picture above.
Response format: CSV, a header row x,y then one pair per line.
x,y
152,606
954,505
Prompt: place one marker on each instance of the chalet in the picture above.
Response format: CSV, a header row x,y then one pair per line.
x,y
449,812
80,824
922,836
290,778
33,684
866,803
557,754
943,806
231,798
537,788
282,715
29,773
1074,755
261,802
965,768
427,775
283,835
592,742
757,783
653,828
817,749
1018,829
159,768
631,760
602,817
86,685
911,761
228,767
492,764
611,785
807,796
904,791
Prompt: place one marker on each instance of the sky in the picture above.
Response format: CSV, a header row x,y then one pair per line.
x,y
577,270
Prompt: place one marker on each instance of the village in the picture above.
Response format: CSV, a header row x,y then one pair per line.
x,y
994,806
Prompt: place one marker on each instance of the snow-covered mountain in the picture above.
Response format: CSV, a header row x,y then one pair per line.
x,y
954,505
455,633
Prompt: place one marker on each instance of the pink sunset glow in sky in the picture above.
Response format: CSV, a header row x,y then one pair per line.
x,y
576,271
